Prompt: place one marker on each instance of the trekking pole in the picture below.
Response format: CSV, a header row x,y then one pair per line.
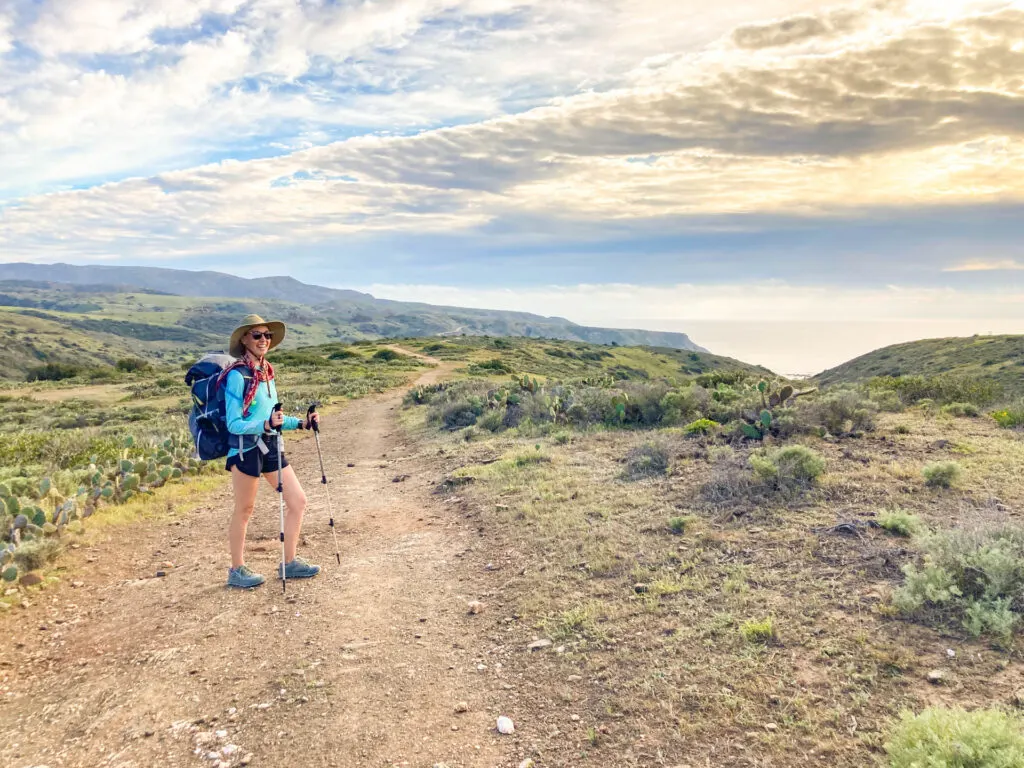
x,y
323,478
280,497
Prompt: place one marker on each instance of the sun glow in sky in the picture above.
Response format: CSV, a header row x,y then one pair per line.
x,y
741,162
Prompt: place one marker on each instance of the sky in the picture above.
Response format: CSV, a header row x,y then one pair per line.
x,y
789,182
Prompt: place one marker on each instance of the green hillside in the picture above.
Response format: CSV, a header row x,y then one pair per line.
x,y
1000,358
95,326
559,359
328,314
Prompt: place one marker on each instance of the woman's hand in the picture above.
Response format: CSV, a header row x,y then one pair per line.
x,y
311,419
276,420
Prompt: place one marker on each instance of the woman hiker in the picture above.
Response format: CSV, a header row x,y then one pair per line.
x,y
249,397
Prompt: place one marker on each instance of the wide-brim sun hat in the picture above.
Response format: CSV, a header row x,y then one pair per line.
x,y
249,322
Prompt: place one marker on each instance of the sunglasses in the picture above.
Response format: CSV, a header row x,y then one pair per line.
x,y
268,335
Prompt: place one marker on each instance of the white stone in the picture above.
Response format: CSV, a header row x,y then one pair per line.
x,y
506,726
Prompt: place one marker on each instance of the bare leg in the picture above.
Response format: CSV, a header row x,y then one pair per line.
x,y
245,488
295,501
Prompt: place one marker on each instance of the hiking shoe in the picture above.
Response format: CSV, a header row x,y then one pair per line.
x,y
299,569
243,578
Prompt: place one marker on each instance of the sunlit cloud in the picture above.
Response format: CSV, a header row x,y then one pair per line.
x,y
404,131
1002,265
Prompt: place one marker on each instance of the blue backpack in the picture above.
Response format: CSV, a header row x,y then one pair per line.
x,y
207,421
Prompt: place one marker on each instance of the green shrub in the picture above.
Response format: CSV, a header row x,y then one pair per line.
x,y
647,460
679,405
489,367
491,421
844,412
942,474
54,372
975,576
942,389
791,465
758,631
678,524
941,737
133,365
961,410
701,427
387,355
1010,417
35,554
900,522
461,414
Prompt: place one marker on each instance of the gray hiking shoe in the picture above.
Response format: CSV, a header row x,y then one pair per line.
x,y
243,578
299,569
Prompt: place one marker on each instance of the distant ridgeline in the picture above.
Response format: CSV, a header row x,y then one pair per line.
x,y
96,315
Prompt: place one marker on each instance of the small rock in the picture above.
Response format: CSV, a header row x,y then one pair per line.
x,y
506,726
461,707
30,580
229,749
573,678
399,478
771,727
641,589
490,567
539,645
221,734
246,759
950,653
937,676
1018,698
474,607
77,584
350,465
161,574
574,718
527,763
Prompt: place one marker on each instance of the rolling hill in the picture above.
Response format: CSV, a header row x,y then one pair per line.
x,y
997,357
212,302
98,324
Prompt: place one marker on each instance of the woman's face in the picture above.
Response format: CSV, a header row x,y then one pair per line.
x,y
257,346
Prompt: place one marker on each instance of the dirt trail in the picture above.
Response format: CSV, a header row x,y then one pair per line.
x,y
362,666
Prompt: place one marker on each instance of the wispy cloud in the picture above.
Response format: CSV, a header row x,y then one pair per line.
x,y
926,112
1000,265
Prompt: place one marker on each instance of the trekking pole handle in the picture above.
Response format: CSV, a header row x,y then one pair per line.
x,y
279,427
309,417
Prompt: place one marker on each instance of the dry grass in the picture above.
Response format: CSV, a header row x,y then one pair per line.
x,y
658,626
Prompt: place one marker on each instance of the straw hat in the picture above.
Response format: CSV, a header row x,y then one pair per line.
x,y
254,321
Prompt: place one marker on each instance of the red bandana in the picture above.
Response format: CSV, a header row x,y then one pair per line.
x,y
260,372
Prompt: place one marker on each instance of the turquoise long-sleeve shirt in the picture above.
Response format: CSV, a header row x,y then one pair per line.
x,y
259,411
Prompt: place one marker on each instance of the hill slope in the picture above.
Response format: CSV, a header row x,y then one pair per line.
x,y
354,315
997,357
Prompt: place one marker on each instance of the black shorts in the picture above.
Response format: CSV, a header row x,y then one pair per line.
x,y
254,462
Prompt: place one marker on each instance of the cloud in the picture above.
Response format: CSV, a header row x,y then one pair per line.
x,y
923,112
784,32
1001,265
101,89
